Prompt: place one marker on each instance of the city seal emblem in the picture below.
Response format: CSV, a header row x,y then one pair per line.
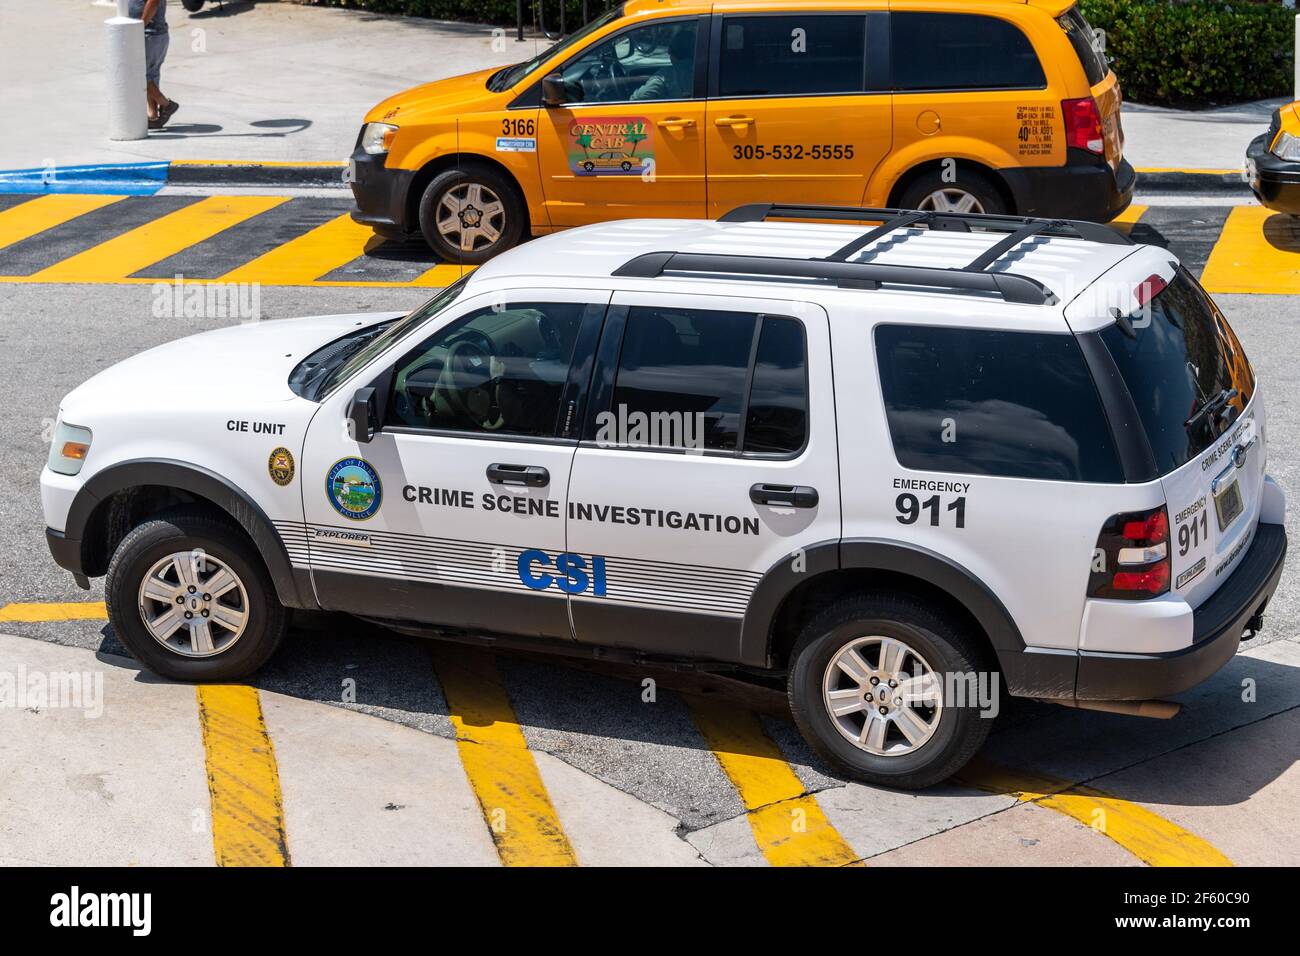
x,y
280,466
354,489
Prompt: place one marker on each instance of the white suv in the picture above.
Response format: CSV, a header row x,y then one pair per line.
x,y
893,462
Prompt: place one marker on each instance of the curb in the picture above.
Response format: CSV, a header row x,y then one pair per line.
x,y
144,179
1191,181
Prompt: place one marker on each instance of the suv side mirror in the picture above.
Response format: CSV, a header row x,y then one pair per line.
x,y
554,92
363,414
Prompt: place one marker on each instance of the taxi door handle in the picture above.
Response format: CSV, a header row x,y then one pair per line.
x,y
737,121
784,496
675,122
531,476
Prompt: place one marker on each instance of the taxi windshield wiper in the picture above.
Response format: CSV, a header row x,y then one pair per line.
x,y
1211,405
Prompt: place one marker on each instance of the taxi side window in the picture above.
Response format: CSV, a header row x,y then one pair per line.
x,y
710,381
960,51
648,63
498,371
792,55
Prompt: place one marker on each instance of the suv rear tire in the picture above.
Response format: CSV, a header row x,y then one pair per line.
x,y
929,191
824,673
209,571
484,198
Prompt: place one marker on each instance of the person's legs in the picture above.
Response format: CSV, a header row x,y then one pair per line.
x,y
155,52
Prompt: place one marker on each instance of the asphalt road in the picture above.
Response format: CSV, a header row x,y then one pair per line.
x,y
53,337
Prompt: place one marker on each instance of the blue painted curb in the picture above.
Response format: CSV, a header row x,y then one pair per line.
x,y
113,179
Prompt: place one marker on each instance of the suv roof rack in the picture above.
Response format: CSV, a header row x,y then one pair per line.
x,y
870,275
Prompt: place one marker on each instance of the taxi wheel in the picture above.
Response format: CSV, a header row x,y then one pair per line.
x,y
189,596
873,687
471,214
971,193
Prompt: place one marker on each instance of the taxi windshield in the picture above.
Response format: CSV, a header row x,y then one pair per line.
x,y
507,77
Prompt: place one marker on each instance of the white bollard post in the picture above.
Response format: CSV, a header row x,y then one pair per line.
x,y
128,109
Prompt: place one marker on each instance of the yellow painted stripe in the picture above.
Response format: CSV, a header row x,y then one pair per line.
x,y
31,613
1258,251
443,274
500,769
1194,172
314,284
132,251
1125,221
789,825
247,808
310,256
45,212
1148,836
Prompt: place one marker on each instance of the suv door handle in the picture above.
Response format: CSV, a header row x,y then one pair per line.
x,y
737,121
532,476
789,496
675,122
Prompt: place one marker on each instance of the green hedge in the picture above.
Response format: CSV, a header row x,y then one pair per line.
x,y
1197,52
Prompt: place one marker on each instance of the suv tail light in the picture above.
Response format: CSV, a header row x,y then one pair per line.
x,y
1131,562
1083,125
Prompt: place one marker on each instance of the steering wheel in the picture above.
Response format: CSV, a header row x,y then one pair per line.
x,y
466,382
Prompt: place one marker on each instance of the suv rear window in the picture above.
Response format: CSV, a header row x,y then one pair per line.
x,y
961,51
1084,40
1179,357
982,402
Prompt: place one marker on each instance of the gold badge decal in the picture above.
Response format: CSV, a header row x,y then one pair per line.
x,y
280,465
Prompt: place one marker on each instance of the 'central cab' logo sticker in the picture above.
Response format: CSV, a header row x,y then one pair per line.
x,y
354,489
610,146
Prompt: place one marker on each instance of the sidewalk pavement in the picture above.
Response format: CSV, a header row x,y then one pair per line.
x,y
281,83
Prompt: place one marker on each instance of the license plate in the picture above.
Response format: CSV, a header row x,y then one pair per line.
x,y
1250,174
350,174
1228,505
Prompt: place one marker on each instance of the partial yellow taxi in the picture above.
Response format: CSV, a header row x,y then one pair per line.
x,y
688,109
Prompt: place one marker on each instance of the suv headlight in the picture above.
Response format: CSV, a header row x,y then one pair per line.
x,y
377,137
69,449
1288,148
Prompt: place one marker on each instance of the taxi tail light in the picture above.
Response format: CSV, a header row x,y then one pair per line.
x,y
1131,562
1083,125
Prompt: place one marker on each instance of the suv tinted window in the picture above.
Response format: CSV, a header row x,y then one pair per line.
x,y
685,381
958,51
776,421
497,371
1015,404
1086,45
1181,355
792,55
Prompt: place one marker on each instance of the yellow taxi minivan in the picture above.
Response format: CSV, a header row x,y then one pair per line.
x,y
686,108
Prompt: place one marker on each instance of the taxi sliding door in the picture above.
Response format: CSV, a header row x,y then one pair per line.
x,y
799,109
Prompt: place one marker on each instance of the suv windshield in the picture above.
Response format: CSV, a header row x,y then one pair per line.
x,y
1185,369
508,76
318,373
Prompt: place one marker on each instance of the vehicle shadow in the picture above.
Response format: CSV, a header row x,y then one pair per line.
x,y
1282,232
581,708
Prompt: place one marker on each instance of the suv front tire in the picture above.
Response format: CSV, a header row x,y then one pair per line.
x,y
868,687
190,598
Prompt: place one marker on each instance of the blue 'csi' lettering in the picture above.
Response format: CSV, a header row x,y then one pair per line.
x,y
572,575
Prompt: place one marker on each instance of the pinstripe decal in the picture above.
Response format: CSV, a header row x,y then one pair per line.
x,y
475,564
